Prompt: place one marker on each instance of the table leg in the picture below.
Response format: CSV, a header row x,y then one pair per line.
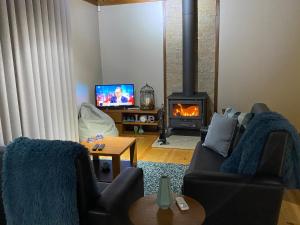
x,y
96,164
133,154
116,164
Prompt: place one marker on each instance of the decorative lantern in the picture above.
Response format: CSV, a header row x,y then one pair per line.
x,y
147,101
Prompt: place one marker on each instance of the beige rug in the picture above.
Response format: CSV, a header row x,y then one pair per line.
x,y
178,141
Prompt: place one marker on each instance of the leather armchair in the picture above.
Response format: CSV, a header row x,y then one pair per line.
x,y
2,214
101,203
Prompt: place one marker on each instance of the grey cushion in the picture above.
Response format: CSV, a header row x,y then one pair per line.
x,y
231,112
220,134
243,117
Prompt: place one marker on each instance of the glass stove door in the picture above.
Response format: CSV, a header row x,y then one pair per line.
x,y
186,110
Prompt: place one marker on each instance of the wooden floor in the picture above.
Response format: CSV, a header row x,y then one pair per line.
x,y
146,153
290,209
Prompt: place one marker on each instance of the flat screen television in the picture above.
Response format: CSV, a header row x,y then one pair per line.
x,y
114,95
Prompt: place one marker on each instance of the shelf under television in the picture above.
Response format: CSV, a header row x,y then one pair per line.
x,y
131,133
127,127
140,123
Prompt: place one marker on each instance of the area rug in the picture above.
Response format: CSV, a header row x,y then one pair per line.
x,y
178,141
153,171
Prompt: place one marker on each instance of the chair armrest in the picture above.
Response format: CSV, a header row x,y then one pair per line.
x,y
124,190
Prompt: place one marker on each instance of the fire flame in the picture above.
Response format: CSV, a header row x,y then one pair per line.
x,y
187,111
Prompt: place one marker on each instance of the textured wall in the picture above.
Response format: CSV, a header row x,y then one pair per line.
x,y
206,47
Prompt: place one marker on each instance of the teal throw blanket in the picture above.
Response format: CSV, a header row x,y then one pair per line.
x,y
246,156
39,182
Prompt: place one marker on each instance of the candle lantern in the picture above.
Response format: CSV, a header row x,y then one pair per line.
x,y
147,101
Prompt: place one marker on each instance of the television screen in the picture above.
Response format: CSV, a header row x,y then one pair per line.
x,y
114,95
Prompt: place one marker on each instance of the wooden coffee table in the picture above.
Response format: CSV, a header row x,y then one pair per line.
x,y
114,147
146,212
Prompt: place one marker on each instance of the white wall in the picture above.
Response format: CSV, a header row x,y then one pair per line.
x,y
86,49
131,40
260,55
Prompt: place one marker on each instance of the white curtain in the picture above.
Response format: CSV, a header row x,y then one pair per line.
x,y
36,87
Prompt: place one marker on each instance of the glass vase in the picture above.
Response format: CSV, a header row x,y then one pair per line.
x,y
164,195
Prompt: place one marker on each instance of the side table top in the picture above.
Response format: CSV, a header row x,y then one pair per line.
x,y
145,211
113,145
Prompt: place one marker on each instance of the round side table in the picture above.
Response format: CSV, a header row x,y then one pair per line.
x,y
145,211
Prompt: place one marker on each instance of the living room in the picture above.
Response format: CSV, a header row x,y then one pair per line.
x,y
178,111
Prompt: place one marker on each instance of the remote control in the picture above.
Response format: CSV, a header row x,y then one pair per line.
x,y
101,147
181,203
95,147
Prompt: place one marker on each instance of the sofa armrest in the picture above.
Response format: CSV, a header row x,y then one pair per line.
x,y
211,176
124,190
235,199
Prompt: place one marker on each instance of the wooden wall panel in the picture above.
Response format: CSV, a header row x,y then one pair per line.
x,y
95,2
118,2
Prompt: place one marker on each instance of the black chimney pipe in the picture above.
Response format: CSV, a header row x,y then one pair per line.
x,y
190,45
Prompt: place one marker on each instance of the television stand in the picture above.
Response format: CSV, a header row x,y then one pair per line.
x,y
127,119
133,108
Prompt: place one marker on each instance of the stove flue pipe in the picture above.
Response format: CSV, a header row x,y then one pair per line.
x,y
190,45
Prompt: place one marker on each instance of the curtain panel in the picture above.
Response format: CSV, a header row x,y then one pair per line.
x,y
36,86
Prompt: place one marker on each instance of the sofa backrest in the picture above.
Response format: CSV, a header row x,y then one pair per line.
x,y
259,108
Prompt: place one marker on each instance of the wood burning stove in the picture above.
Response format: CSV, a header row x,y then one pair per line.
x,y
188,110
